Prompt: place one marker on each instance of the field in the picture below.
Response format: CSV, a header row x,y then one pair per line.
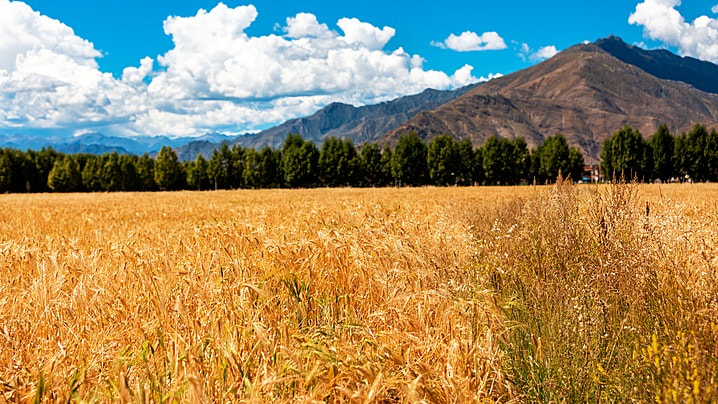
x,y
575,293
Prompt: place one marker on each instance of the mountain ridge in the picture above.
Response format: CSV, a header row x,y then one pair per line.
x,y
360,124
583,92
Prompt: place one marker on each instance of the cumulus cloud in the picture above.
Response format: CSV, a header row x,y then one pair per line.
x,y
306,25
715,9
365,34
527,54
471,41
215,77
662,22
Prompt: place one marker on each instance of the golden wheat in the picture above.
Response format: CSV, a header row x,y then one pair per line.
x,y
248,295
399,295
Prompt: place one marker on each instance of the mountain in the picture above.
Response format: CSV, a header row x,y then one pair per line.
x,y
360,124
584,92
98,143
664,64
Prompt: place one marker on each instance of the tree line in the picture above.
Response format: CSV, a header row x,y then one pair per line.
x,y
298,163
663,156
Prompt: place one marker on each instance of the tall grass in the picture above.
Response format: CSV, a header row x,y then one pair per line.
x,y
609,294
325,295
541,294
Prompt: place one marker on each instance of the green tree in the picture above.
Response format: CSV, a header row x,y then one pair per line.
x,y
505,162
168,171
252,176
6,168
408,163
697,154
554,156
299,162
197,177
626,154
466,160
663,146
92,174
128,171
221,168
576,164
387,176
111,174
65,175
270,168
443,160
338,163
371,167
38,169
236,177
145,166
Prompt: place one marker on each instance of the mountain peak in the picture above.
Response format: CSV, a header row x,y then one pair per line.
x,y
586,93
664,64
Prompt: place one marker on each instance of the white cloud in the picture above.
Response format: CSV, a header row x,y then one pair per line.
x,y
215,77
22,30
527,54
715,9
306,25
364,34
470,41
662,22
544,52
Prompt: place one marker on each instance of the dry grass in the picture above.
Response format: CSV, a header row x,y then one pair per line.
x,y
611,293
398,295
254,295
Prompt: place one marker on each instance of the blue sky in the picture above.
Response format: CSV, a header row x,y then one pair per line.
x,y
129,68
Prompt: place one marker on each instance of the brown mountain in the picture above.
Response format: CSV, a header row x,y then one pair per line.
x,y
584,92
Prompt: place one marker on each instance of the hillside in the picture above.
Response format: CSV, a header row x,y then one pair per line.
x,y
360,124
584,92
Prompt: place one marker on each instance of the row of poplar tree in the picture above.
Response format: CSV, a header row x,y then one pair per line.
x,y
663,156
298,164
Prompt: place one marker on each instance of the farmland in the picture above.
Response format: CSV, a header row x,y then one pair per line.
x,y
434,294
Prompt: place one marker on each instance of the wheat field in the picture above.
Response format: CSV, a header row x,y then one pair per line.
x,y
577,293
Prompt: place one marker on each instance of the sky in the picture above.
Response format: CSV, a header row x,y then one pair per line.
x,y
187,68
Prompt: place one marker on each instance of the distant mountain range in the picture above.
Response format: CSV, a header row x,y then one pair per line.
x,y
360,124
586,92
97,143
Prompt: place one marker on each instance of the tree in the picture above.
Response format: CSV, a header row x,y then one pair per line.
x,y
111,174
663,147
92,174
554,156
576,164
443,160
387,177
237,155
408,164
129,180
299,162
145,166
466,160
168,171
626,154
220,167
197,177
371,167
338,163
6,166
270,168
697,154
505,162
65,175
251,175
